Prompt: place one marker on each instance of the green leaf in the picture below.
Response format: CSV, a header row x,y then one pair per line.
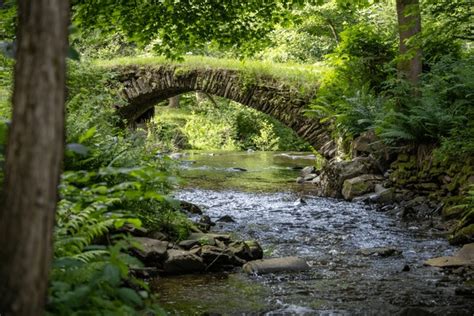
x,y
130,296
112,274
88,134
64,263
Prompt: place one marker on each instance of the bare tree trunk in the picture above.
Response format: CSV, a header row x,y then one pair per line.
x,y
409,25
333,30
174,102
34,155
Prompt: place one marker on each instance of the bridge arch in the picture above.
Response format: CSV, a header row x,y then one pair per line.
x,y
145,86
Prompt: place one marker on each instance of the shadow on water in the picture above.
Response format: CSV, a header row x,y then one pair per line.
x,y
264,201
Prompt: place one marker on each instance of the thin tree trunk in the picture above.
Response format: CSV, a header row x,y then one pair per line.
x,y
333,30
34,155
174,102
409,25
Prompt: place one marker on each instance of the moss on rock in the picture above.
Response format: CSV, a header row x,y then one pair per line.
x,y
463,236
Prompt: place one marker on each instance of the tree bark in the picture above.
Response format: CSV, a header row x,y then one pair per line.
x,y
33,158
409,25
174,102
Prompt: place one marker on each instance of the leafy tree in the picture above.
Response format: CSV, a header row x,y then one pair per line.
x,y
175,27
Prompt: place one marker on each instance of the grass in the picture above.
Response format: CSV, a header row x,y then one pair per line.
x,y
304,77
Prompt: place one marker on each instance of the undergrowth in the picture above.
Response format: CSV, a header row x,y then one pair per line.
x,y
218,124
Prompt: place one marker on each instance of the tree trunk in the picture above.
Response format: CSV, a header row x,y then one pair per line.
x,y
174,102
33,158
409,25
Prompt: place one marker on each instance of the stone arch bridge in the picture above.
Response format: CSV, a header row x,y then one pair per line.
x,y
145,86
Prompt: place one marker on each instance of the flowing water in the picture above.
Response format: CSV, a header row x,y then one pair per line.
x,y
267,205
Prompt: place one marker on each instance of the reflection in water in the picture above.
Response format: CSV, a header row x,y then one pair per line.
x,y
264,201
264,171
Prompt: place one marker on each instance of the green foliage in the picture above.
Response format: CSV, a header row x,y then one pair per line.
x,y
463,232
313,34
205,133
221,124
112,178
177,27
165,135
266,140
347,96
443,114
447,25
362,56
8,20
6,80
353,114
98,285
86,277
96,44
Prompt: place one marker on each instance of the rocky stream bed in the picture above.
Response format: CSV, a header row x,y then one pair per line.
x,y
362,260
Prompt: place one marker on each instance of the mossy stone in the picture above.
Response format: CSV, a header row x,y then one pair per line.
x,y
463,236
452,212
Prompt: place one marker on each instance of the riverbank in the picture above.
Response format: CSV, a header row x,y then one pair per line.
x,y
414,185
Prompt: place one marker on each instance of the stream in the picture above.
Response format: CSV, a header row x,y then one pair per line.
x,y
288,220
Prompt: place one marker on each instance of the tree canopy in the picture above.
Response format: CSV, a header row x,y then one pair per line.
x,y
175,27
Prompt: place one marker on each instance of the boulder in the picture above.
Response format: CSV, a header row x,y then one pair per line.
x,y
241,250
256,251
226,219
128,228
152,251
463,235
308,170
380,252
215,257
359,185
190,207
205,223
206,220
276,265
335,173
310,177
208,238
188,244
246,250
180,262
158,235
383,196
464,257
